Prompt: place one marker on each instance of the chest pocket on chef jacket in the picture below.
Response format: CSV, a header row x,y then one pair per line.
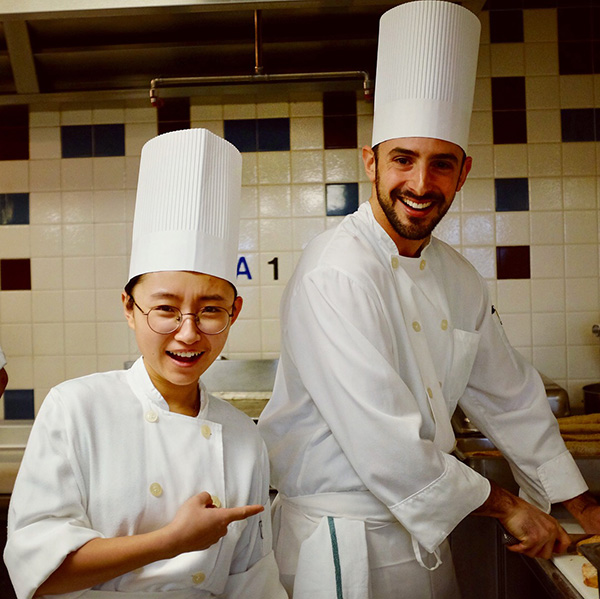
x,y
219,556
464,351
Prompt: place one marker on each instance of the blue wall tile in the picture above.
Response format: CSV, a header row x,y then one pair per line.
x,y
273,135
242,133
76,141
341,198
109,140
14,208
512,195
18,404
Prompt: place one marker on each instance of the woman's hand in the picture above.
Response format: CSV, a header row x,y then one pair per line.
x,y
198,524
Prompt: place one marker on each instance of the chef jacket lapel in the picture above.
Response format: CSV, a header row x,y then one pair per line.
x,y
407,290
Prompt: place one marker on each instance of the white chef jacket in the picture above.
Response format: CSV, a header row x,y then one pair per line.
x,y
376,351
107,458
2,359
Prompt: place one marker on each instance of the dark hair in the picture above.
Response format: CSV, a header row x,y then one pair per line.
x,y
135,280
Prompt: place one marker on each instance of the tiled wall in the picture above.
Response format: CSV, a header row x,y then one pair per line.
x,y
527,217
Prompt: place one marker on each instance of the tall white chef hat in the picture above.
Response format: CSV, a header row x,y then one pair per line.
x,y
426,67
188,205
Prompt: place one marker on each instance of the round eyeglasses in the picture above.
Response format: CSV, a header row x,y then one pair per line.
x,y
211,320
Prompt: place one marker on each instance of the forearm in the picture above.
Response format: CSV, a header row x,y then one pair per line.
x,y
585,509
103,559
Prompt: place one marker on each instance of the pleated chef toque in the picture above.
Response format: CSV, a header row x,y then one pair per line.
x,y
188,205
426,67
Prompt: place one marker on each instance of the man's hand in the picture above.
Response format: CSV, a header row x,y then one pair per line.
x,y
540,534
586,510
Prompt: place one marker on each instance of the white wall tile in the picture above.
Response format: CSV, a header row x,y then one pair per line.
x,y
341,166
44,143
306,133
578,159
274,201
48,371
79,272
305,229
80,305
549,329
547,227
46,273
548,295
539,25
517,328
481,131
109,172
270,335
112,338
552,361
543,126
581,261
76,174
14,175
544,160
541,59
545,193
514,295
581,226
45,240
512,228
47,306
80,338
483,162
576,91
248,236
547,261
274,168
111,272
275,234
109,307
583,361
582,294
510,160
579,193
44,175
483,259
308,200
307,166
49,339
17,340
239,111
542,92
78,240
579,328
507,60
478,229
45,208
15,241
109,239
15,307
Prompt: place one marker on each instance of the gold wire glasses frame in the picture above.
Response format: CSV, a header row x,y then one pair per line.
x,y
211,320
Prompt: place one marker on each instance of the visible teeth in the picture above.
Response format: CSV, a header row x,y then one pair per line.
x,y
184,354
417,205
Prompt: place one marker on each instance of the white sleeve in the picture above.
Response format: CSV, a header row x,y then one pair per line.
x,y
2,359
506,400
46,518
341,343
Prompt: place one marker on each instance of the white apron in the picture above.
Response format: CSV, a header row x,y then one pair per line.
x,y
357,549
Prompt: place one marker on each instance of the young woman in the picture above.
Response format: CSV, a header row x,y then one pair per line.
x,y
138,483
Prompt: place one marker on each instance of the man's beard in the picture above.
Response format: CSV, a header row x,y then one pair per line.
x,y
416,229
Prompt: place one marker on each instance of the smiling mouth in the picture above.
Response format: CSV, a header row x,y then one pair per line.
x,y
184,356
415,205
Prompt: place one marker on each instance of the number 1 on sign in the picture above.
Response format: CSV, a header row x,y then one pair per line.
x,y
275,263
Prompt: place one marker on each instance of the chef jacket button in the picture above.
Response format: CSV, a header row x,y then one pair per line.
x,y
198,577
215,500
444,324
395,262
422,264
156,489
205,430
416,326
429,392
151,416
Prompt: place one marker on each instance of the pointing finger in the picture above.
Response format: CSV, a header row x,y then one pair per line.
x,y
243,512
